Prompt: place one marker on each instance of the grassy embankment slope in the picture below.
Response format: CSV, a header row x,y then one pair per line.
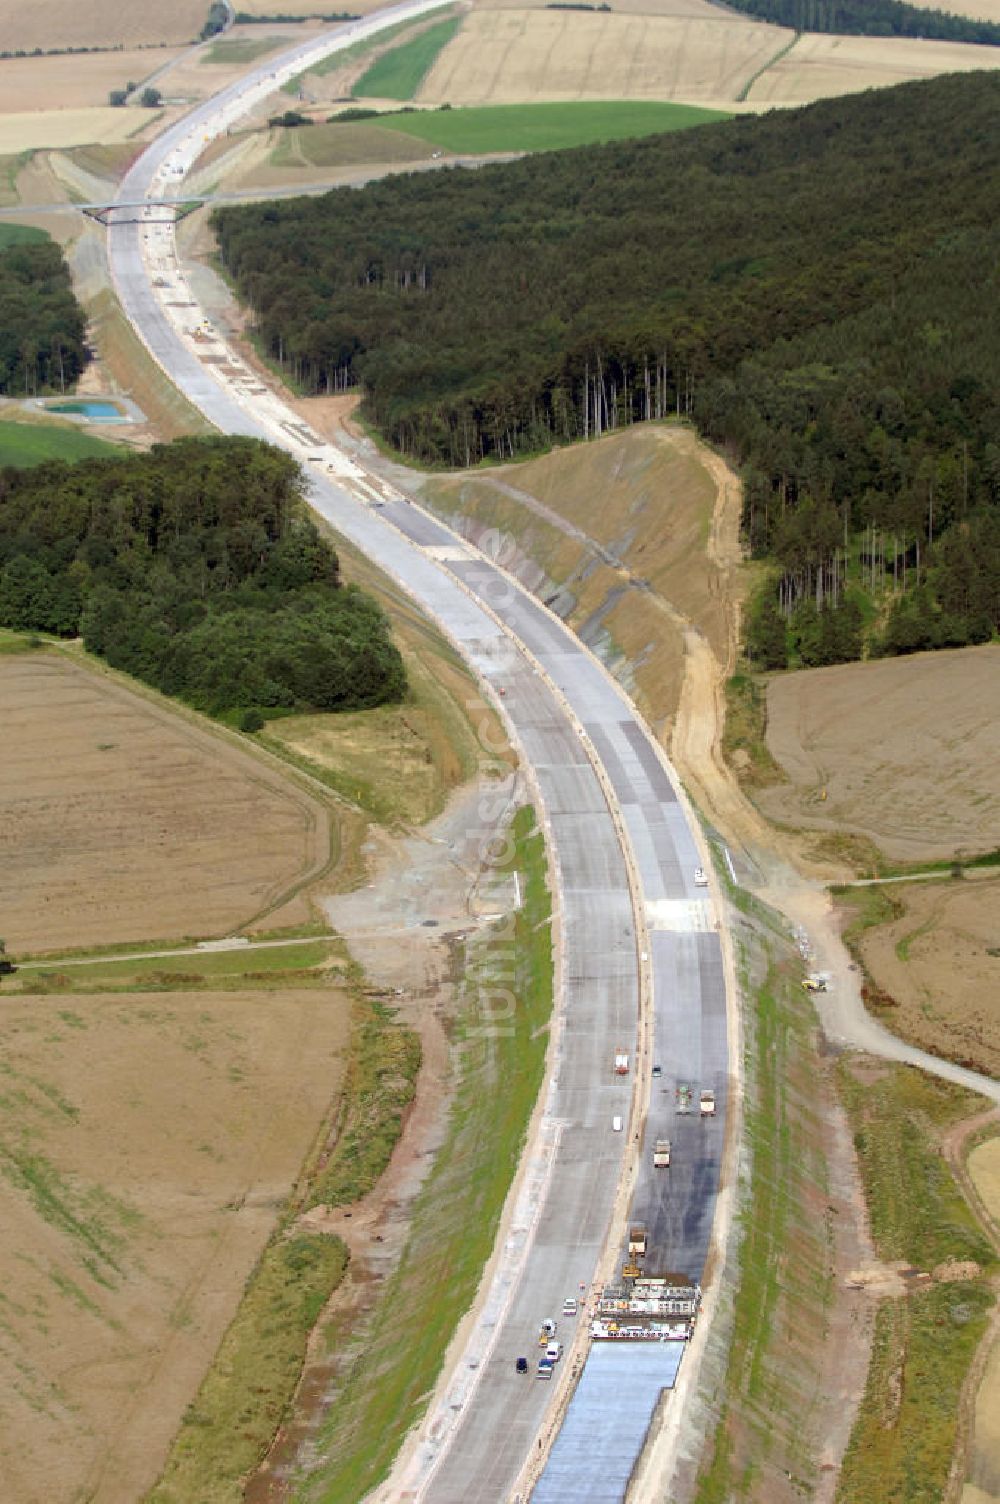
x,y
925,1339
498,1075
788,1320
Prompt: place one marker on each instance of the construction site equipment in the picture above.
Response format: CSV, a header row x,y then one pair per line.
x,y
637,1240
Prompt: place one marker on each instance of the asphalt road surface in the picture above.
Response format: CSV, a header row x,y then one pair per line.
x,y
560,704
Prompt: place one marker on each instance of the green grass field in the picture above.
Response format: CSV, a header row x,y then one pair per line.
x,y
399,73
20,235
547,127
25,444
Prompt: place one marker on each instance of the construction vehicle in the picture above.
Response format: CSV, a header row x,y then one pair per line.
x,y
621,1063
707,1103
637,1241
661,1154
814,982
683,1098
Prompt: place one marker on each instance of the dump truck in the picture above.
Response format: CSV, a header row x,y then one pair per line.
x,y
637,1240
661,1154
708,1103
621,1063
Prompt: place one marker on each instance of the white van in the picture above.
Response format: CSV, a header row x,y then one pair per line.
x,y
616,1124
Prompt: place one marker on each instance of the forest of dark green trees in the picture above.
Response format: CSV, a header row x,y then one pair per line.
x,y
818,290
41,323
196,568
871,18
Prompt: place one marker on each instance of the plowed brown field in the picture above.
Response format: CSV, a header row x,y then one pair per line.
x,y
902,750
124,822
146,1142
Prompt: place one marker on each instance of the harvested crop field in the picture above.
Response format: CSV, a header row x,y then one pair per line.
x,y
306,8
940,961
511,56
99,23
124,821
819,67
36,129
147,1142
69,83
979,10
902,750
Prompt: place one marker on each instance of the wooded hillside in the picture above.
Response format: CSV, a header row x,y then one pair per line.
x,y
195,568
818,289
41,323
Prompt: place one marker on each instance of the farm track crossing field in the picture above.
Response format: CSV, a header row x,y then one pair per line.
x,y
147,1141
502,56
99,23
864,751
819,67
124,821
71,83
506,56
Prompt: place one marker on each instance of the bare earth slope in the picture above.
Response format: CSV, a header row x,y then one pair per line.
x,y
124,822
902,750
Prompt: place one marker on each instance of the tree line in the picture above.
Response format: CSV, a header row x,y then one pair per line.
x,y
195,568
41,324
872,18
818,290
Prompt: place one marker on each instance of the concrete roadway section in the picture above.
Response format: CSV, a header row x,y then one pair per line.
x,y
559,704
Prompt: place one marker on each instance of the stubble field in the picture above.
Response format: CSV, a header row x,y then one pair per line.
x,y
99,23
510,56
939,960
819,67
146,1143
36,130
690,53
72,83
124,822
902,750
